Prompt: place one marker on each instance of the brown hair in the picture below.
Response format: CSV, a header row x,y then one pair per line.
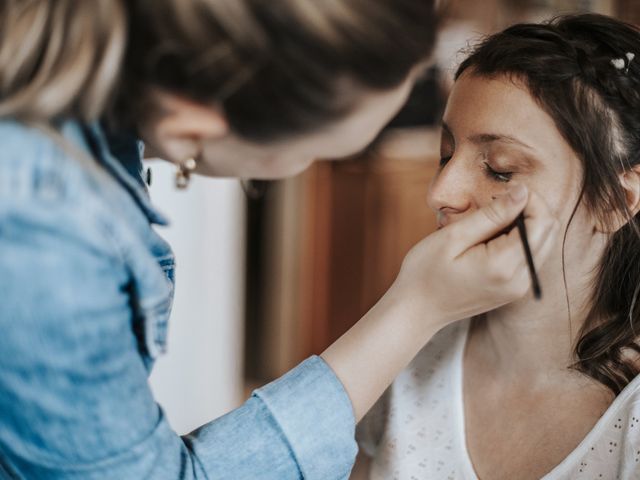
x,y
567,66
276,67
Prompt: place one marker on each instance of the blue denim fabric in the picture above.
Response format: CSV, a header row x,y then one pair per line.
x,y
86,288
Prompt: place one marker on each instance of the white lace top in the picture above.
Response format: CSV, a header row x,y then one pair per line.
x,y
416,430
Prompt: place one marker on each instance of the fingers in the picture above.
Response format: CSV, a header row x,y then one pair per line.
x,y
489,220
550,236
506,253
539,220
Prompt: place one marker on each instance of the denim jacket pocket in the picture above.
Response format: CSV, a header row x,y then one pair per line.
x,y
153,312
156,327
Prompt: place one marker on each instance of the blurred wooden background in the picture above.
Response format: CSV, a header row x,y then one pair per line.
x,y
325,246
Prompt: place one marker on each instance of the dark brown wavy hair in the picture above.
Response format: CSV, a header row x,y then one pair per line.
x,y
566,64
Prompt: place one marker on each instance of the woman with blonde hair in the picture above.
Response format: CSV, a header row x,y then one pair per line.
x,y
241,88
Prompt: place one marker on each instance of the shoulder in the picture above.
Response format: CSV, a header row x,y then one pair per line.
x,y
627,403
630,410
48,180
36,162
618,431
54,228
612,447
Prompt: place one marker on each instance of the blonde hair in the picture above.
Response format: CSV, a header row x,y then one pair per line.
x,y
59,57
276,67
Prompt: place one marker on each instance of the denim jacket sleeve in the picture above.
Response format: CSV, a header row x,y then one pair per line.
x,y
74,397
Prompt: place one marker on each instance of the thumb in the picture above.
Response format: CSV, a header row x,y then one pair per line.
x,y
490,220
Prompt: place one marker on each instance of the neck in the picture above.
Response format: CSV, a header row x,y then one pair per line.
x,y
535,339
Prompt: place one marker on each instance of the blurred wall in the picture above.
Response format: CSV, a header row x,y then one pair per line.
x,y
200,377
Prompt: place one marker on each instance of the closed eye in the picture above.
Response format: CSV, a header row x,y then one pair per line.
x,y
493,174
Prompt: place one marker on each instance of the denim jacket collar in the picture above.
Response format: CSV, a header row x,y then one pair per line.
x,y
121,154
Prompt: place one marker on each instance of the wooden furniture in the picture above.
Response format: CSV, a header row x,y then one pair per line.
x,y
335,240
628,10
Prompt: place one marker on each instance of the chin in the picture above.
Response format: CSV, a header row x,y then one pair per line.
x,y
281,170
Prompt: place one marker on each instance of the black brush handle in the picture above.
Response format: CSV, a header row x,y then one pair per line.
x,y
522,229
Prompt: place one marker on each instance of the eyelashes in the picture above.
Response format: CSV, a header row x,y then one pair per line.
x,y
493,174
489,171
444,160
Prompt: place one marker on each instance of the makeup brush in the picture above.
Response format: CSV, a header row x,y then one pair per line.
x,y
522,230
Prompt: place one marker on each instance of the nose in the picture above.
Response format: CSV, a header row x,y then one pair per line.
x,y
452,190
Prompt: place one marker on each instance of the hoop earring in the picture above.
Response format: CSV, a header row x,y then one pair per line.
x,y
183,173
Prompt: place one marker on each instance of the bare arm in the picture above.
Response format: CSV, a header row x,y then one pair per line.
x,y
450,275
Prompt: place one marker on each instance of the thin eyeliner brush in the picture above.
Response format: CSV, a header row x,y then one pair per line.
x,y
522,230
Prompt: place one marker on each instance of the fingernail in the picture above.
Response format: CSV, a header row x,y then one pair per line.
x,y
518,193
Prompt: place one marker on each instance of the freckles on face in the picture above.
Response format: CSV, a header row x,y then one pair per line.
x,y
495,135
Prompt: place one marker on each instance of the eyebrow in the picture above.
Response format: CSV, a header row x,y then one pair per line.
x,y
487,138
481,138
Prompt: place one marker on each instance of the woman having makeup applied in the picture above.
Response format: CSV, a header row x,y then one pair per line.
x,y
549,388
223,88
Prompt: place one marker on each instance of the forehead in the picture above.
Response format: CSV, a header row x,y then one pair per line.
x,y
501,105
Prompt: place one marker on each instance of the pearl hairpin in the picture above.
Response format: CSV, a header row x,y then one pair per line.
x,y
620,63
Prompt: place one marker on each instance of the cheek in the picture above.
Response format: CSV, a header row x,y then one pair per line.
x,y
286,165
353,138
485,189
560,191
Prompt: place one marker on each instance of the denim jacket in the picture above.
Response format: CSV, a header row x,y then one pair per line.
x,y
86,287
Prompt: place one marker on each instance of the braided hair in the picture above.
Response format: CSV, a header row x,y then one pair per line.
x,y
581,71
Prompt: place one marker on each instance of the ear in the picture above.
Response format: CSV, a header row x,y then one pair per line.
x,y
182,126
630,183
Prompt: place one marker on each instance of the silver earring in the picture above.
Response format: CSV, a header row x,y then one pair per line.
x,y
183,173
